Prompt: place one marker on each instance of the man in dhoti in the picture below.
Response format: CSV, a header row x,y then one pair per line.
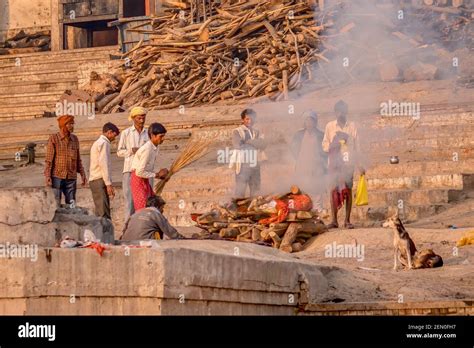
x,y
247,153
143,166
310,159
342,145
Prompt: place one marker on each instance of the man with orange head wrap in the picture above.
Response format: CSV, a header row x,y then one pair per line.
x,y
63,161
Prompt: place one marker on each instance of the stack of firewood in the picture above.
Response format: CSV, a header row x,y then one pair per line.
x,y
252,49
261,220
26,43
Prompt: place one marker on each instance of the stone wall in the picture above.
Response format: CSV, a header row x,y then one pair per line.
x,y
29,15
32,216
172,278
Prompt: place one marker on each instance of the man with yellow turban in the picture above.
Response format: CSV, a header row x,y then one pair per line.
x,y
131,139
63,161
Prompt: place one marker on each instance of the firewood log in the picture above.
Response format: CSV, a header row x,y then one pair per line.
x,y
289,237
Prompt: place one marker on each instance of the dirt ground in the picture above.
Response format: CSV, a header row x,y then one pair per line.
x,y
373,279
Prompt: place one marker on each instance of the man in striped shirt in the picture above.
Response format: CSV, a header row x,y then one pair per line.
x,y
63,161
100,179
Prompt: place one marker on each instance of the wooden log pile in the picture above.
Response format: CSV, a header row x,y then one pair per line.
x,y
250,220
26,43
248,49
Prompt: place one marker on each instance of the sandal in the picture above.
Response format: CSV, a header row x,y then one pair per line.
x,y
332,225
349,226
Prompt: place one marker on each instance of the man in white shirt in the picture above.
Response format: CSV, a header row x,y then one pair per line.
x,y
342,145
248,145
130,141
143,167
100,178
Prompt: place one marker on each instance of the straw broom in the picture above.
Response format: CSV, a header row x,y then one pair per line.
x,y
194,150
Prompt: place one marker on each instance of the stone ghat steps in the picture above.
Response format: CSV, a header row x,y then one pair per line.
x,y
222,176
56,57
376,197
31,88
373,216
173,141
462,141
25,76
31,84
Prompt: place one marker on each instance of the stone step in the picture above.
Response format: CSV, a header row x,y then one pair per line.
x,y
420,154
26,59
21,109
439,142
53,85
441,181
464,166
37,75
368,215
7,151
14,98
382,198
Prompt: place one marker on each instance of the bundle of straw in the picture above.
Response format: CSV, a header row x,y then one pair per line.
x,y
194,150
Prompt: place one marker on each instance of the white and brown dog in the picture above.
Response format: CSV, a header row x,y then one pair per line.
x,y
405,250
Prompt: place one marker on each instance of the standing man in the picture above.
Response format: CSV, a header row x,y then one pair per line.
x,y
310,159
100,180
342,145
130,141
143,166
63,161
248,145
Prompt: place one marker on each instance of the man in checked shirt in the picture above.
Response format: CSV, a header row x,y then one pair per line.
x,y
63,161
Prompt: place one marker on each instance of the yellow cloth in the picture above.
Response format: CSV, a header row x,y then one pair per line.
x,y
157,236
467,239
362,196
137,110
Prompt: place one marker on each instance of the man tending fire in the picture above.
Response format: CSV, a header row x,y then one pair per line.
x,y
341,143
143,167
248,147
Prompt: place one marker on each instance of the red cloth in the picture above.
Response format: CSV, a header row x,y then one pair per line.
x,y
339,196
97,246
280,216
301,202
64,120
141,190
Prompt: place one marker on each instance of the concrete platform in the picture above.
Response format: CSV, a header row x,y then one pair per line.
x,y
173,277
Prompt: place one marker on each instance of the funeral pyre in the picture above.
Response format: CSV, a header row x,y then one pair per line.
x,y
284,221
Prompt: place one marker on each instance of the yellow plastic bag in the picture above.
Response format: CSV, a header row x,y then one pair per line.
x,y
362,196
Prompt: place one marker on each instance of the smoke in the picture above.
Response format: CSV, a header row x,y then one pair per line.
x,y
366,42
